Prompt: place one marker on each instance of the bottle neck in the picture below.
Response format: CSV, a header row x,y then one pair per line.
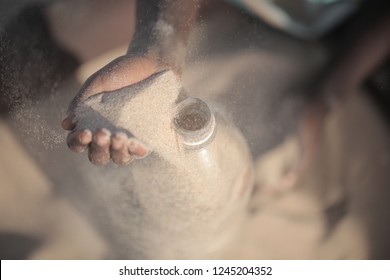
x,y
194,123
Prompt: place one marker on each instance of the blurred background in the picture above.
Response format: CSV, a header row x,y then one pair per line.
x,y
277,67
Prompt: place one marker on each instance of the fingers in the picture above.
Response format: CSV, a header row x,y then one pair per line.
x,y
125,150
99,150
119,149
138,149
102,147
79,140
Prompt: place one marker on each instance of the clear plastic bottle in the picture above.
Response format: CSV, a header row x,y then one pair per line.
x,y
188,198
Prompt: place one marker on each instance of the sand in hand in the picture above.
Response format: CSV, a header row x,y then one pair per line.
x,y
192,190
144,111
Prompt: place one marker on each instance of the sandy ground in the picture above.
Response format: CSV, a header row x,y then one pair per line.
x,y
338,210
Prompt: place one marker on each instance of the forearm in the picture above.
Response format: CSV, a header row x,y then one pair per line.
x,y
162,30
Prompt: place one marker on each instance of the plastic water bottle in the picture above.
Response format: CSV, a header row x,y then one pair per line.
x,y
188,198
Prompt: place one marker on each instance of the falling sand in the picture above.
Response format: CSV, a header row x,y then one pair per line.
x,y
191,201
